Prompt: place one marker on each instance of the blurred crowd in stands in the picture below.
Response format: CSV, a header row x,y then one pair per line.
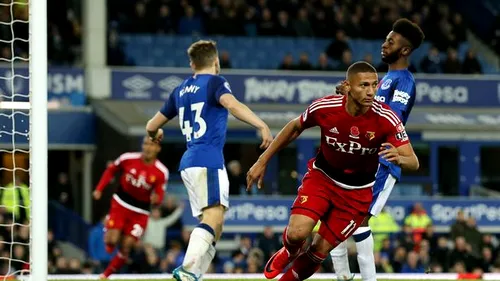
x,y
368,19
431,63
340,20
64,31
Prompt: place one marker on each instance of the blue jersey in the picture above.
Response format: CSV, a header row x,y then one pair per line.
x,y
397,89
202,119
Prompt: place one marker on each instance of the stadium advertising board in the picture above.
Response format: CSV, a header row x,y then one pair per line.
x,y
65,84
301,87
253,213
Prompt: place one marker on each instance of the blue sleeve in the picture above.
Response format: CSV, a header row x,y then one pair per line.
x,y
169,109
403,98
220,87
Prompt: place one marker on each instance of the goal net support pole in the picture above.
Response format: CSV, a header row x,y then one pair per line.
x,y
38,138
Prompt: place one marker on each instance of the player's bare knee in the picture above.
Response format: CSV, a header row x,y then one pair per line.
x,y
299,228
214,217
112,237
127,244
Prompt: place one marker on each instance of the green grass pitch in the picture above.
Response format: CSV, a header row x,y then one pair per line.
x,y
170,279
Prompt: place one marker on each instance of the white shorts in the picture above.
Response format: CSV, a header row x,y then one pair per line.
x,y
206,187
384,183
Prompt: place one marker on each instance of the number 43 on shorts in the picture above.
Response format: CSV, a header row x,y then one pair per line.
x,y
349,228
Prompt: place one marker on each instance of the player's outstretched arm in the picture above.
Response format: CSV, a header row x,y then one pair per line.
x,y
288,134
106,177
404,156
243,113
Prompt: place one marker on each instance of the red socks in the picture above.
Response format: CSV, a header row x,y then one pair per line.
x,y
304,266
116,263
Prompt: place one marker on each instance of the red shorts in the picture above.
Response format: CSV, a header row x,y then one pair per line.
x,y
340,210
129,222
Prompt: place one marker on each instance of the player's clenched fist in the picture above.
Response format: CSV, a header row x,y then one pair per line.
x,y
97,194
256,174
390,153
158,137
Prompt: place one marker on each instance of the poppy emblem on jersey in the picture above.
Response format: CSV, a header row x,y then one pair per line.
x,y
400,128
354,132
386,84
152,178
303,199
370,135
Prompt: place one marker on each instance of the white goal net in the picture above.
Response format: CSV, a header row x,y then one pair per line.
x,y
23,139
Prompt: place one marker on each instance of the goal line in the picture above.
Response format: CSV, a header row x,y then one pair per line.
x,y
318,276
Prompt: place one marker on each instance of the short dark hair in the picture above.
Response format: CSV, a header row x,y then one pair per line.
x,y
202,53
360,67
410,31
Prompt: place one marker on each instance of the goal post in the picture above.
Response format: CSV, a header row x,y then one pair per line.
x,y
24,206
38,138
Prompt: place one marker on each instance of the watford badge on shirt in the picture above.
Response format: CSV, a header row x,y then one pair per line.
x,y
370,135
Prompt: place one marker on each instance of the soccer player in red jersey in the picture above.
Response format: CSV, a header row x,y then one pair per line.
x,y
355,130
396,89
142,183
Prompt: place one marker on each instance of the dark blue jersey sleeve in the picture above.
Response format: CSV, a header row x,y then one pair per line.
x,y
169,109
220,86
403,98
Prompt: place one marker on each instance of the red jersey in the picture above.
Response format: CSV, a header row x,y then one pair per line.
x,y
137,182
350,144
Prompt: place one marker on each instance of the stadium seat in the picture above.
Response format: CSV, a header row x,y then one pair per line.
x,y
259,52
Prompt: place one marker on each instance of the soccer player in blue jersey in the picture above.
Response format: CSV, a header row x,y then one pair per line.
x,y
397,89
202,103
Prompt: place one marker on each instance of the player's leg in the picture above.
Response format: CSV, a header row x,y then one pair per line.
x,y
133,229
348,209
363,237
111,239
310,261
113,226
208,191
310,205
340,261
115,223
364,246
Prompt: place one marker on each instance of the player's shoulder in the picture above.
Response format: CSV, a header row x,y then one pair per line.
x,y
218,79
331,102
127,157
130,156
406,76
162,168
385,113
215,82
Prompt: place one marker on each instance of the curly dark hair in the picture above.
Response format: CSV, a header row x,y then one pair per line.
x,y
410,31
